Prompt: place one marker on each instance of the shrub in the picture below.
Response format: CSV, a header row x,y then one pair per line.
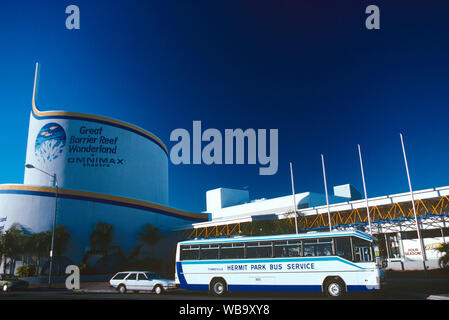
x,y
85,269
26,271
444,259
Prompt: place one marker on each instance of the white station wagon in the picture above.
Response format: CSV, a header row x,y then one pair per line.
x,y
141,281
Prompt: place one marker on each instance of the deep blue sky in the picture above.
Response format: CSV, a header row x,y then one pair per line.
x,y
307,68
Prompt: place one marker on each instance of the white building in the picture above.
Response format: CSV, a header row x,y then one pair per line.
x,y
106,171
392,219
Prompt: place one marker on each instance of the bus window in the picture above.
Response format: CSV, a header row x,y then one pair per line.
x,y
261,249
209,252
190,253
279,249
363,251
343,247
232,251
309,248
291,248
324,248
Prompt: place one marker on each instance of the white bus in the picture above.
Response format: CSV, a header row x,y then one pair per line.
x,y
330,262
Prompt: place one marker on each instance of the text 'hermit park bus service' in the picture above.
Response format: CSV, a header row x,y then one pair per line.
x,y
330,262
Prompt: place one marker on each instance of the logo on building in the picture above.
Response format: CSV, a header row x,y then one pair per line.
x,y
50,142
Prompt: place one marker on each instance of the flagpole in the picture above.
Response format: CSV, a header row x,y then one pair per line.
x,y
364,189
294,197
327,197
423,254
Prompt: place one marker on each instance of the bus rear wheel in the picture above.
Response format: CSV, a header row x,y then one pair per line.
x,y
334,288
218,287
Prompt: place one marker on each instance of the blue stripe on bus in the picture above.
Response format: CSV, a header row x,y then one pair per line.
x,y
183,282
361,288
271,260
293,288
285,288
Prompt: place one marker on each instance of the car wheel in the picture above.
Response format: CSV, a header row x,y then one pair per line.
x,y
218,287
121,288
158,289
5,288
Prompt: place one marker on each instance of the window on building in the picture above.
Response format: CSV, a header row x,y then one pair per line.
x,y
446,232
431,233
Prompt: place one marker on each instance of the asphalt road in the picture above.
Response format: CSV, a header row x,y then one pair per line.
x,y
408,289
182,295
174,305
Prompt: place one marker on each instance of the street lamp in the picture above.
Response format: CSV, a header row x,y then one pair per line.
x,y
55,184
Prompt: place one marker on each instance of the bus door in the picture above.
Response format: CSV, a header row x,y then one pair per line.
x,y
363,251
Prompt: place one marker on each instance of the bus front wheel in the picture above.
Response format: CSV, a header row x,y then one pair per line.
x,y
218,287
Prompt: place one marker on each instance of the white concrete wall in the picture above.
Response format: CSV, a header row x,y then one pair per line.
x,y
273,206
223,197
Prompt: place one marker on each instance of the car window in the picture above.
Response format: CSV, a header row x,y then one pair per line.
x,y
141,276
132,276
120,276
152,275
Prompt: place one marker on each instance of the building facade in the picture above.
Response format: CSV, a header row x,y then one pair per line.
x,y
84,169
92,169
391,217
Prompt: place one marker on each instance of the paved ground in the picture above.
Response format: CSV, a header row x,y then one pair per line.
x,y
60,294
96,301
415,289
400,286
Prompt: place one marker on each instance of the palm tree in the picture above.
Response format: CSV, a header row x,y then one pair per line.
x,y
13,243
40,246
101,243
101,238
3,249
150,236
62,237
